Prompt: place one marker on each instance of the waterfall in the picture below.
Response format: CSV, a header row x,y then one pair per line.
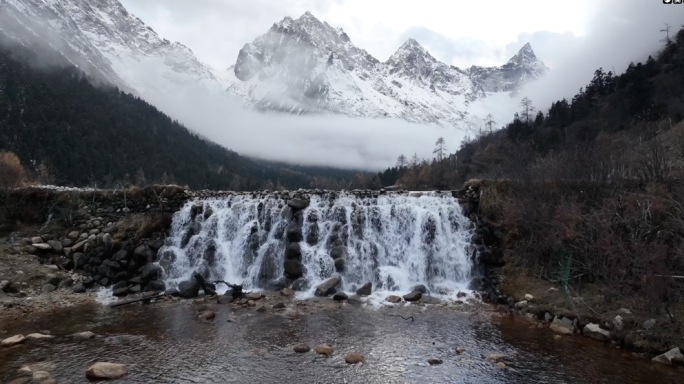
x,y
394,241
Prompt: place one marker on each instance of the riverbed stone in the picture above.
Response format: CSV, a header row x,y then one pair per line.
x,y
353,358
595,332
649,324
301,348
413,296
38,336
12,341
298,204
618,324
293,251
495,357
528,297
44,247
300,284
365,289
254,296
340,265
394,299
294,232
78,288
328,287
324,349
106,371
150,272
434,361
672,357
420,288
188,289
562,326
340,296
85,335
521,305
56,245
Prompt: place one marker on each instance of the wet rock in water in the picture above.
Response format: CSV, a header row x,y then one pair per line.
x,y
340,265
649,324
106,371
298,204
461,295
365,290
254,296
419,288
672,357
84,335
340,296
293,251
339,252
156,285
413,296
12,341
225,299
120,292
393,299
300,285
353,358
42,377
38,336
208,315
495,357
475,283
294,232
293,269
434,361
78,288
287,292
301,348
460,350
150,272
563,326
279,305
324,349
501,365
595,332
328,287
188,289
430,300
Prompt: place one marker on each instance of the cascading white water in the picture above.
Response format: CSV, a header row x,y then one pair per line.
x,y
394,241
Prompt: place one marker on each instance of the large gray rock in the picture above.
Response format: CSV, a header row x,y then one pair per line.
x,y
294,232
420,288
649,324
293,269
339,252
56,245
563,326
188,289
340,296
340,265
595,332
365,289
298,204
13,340
413,296
106,371
672,357
79,288
150,272
293,251
328,287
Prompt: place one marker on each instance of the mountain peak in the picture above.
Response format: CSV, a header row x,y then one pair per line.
x,y
524,55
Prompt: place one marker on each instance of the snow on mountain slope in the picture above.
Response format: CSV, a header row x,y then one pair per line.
x,y
306,66
108,43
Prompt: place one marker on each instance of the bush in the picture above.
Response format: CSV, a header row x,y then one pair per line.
x,y
12,173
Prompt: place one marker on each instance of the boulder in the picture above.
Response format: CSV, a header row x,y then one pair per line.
x,y
419,288
106,371
38,336
287,292
434,361
56,245
324,349
294,232
328,287
43,247
353,358
156,285
340,296
495,357
48,288
208,315
520,305
188,289
13,340
42,377
80,259
79,288
298,204
528,297
618,324
143,254
293,251
84,335
340,265
413,296
254,296
36,240
122,254
150,272
563,326
393,299
301,348
595,332
672,357
293,269
365,289
300,285
649,324
338,252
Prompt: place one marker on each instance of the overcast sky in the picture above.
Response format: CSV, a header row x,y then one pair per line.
x,y
572,37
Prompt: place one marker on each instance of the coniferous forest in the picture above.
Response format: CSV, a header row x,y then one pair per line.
x,y
67,131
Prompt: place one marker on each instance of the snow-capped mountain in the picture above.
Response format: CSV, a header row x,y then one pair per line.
x,y
106,42
307,66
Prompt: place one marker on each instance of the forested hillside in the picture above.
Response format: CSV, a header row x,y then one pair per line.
x,y
590,191
69,132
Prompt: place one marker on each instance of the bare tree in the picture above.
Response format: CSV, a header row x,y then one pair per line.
x,y
489,123
440,149
401,161
527,109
